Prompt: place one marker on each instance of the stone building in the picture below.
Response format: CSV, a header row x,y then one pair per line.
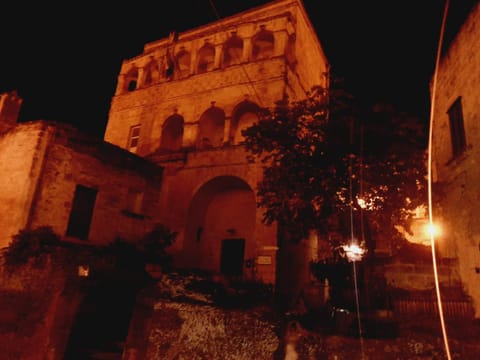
x,y
50,177
183,102
455,154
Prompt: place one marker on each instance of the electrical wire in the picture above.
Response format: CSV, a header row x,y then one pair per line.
x,y
250,82
430,202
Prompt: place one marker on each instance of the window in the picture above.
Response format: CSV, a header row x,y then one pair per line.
x,y
457,129
206,58
263,45
233,50
134,138
183,64
81,213
131,80
134,201
172,133
132,85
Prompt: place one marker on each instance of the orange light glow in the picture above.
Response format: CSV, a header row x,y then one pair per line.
x,y
361,202
353,252
432,229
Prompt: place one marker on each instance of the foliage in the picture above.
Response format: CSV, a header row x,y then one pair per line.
x,y
36,245
155,243
321,154
31,244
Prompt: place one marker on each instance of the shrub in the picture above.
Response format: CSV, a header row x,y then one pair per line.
x,y
155,243
29,245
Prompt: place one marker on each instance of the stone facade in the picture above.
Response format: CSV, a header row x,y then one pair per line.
x,y
183,102
46,166
456,132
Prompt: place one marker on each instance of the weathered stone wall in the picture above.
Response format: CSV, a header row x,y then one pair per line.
x,y
198,182
295,64
21,158
312,67
31,308
419,277
190,98
459,75
10,104
214,191
73,159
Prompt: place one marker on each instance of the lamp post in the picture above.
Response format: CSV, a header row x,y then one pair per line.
x,y
354,252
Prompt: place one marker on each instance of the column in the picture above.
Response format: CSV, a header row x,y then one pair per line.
x,y
281,39
120,84
247,49
218,56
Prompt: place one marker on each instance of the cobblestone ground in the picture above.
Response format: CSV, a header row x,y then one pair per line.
x,y
202,330
408,339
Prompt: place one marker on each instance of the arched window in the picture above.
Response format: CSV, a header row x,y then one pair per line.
x,y
131,79
152,75
172,133
210,128
206,58
263,45
183,64
232,51
244,115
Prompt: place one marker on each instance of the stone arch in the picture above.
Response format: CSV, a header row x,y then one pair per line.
x,y
222,209
210,128
182,60
244,115
232,50
206,58
263,44
172,133
131,79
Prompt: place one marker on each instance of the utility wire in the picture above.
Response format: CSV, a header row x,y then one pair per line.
x,y
214,9
250,82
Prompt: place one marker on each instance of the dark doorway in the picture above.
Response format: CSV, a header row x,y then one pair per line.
x,y
101,324
231,263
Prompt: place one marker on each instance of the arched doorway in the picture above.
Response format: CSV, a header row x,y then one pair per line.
x,y
219,234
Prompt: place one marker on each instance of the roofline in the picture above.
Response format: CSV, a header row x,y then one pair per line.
x,y
223,22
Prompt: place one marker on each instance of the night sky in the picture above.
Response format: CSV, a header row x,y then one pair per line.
x,y
63,60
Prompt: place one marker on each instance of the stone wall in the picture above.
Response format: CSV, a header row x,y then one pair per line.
x,y
21,158
286,63
457,176
74,159
419,277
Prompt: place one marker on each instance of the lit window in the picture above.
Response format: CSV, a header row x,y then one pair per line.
x,y
134,138
457,129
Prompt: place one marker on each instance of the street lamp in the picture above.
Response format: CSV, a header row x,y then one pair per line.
x,y
432,230
353,252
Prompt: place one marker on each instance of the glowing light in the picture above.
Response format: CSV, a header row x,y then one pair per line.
x,y
353,252
83,270
433,230
369,201
361,202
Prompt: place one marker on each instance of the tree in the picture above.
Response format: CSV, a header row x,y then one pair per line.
x,y
324,154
